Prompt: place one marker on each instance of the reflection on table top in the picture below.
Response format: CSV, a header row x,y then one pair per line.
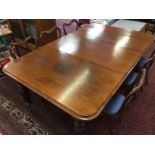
x,y
109,47
80,72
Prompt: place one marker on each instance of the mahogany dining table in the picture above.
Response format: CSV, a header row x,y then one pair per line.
x,y
80,72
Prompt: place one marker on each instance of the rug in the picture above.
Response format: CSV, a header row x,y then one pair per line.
x,y
16,120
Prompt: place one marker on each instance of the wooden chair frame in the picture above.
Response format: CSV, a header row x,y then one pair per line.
x,y
48,32
129,98
13,47
69,24
148,66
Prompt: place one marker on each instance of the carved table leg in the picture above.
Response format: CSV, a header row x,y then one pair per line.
x,y
79,127
26,95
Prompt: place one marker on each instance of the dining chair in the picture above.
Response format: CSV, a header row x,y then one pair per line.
x,y
129,82
143,60
119,100
49,32
27,43
148,28
145,63
12,51
15,54
148,66
67,25
130,79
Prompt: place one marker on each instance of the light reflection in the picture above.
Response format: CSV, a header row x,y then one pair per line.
x,y
121,43
76,84
94,32
69,45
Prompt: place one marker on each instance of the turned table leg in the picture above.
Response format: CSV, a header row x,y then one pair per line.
x,y
26,95
79,127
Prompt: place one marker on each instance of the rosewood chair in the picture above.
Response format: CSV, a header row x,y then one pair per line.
x,y
148,66
48,33
143,63
14,47
143,60
146,62
65,25
129,82
15,54
118,101
131,78
14,51
150,21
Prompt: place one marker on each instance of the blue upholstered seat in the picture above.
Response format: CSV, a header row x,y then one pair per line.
x,y
141,63
130,79
115,104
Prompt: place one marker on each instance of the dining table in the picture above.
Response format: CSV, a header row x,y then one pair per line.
x,y
80,72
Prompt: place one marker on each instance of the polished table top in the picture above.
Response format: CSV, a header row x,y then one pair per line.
x,y
113,48
80,72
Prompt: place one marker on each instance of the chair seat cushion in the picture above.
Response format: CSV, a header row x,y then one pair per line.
x,y
115,104
141,63
130,79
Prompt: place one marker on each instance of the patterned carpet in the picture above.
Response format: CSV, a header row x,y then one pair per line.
x,y
45,119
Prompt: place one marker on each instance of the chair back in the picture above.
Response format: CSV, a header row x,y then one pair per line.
x,y
65,25
13,47
46,33
138,84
